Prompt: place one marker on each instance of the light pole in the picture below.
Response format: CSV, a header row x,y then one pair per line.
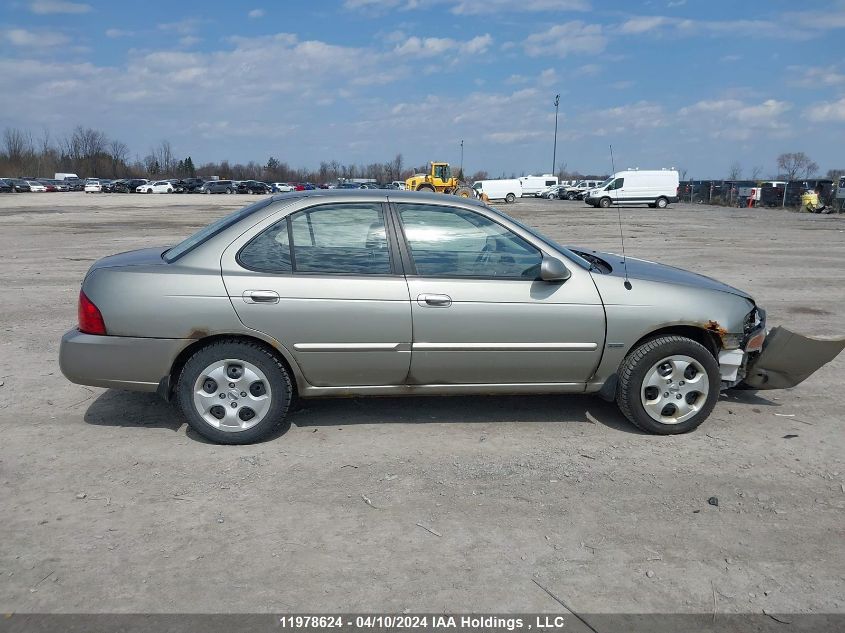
x,y
462,159
554,151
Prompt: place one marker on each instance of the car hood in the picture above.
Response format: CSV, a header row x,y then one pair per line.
x,y
652,271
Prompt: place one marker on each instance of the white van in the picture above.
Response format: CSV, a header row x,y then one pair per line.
x,y
65,176
506,189
532,185
656,188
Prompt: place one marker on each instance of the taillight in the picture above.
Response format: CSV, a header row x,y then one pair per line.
x,y
90,319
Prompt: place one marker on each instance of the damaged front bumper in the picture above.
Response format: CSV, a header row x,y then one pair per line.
x,y
788,359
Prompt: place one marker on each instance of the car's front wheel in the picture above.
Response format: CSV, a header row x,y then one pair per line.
x,y
234,392
668,385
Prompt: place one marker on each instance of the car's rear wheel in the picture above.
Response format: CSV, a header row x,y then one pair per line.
x,y
571,196
668,385
233,392
510,198
229,191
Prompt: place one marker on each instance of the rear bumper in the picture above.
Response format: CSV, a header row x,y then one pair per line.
x,y
119,362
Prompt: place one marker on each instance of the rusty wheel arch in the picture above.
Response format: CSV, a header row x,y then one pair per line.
x,y
168,383
709,337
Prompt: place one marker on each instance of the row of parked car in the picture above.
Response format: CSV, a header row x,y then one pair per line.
x,y
171,185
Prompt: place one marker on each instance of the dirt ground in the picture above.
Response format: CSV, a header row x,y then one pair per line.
x,y
109,504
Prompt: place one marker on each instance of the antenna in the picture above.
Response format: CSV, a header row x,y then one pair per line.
x,y
621,235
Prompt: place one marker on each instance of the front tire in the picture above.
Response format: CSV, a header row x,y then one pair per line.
x,y
668,385
605,203
510,198
661,203
233,392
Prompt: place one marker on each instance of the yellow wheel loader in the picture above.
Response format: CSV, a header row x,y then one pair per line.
x,y
439,179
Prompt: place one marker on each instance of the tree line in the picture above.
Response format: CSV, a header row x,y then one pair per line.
x,y
93,153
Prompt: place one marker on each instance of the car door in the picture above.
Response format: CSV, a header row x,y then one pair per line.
x,y
324,282
480,312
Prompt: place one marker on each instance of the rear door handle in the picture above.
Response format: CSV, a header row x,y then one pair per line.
x,y
260,296
434,301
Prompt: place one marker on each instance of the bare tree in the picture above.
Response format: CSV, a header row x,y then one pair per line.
x,y
793,164
17,146
756,171
164,155
735,171
682,173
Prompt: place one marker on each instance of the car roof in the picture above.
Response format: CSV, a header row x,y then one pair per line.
x,y
395,195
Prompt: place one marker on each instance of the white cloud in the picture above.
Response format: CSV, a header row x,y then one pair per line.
x,y
816,76
256,13
826,111
758,28
565,39
737,119
118,33
33,39
185,27
424,47
470,7
46,7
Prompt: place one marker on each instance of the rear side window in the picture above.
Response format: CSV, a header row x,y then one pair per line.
x,y
211,230
346,239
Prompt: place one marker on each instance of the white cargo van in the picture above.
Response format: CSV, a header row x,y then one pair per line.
x,y
65,176
656,188
534,184
505,189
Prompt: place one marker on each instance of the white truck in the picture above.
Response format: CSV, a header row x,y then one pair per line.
x,y
65,176
654,187
531,185
503,189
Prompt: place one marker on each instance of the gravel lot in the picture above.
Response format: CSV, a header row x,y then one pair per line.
x,y
110,505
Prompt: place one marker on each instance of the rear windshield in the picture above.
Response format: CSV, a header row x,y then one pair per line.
x,y
211,230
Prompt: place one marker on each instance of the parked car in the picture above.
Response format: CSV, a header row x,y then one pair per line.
x,y
188,185
92,185
20,186
577,191
282,187
6,186
60,185
75,184
49,186
218,186
159,186
337,293
507,189
253,186
652,187
134,183
550,192
36,187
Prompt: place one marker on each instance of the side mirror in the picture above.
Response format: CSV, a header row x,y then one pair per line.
x,y
552,269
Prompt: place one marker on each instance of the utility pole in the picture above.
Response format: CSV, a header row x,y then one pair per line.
x,y
554,152
462,160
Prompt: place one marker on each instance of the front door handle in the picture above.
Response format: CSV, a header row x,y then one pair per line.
x,y
434,301
260,296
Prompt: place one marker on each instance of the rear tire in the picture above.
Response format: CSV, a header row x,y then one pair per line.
x,y
571,196
661,203
692,395
510,198
462,191
262,390
426,188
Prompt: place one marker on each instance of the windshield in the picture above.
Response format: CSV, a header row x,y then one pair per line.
x,y
606,182
211,230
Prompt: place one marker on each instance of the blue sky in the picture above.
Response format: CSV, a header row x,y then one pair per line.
x,y
695,84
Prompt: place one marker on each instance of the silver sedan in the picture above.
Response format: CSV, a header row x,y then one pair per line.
x,y
340,293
